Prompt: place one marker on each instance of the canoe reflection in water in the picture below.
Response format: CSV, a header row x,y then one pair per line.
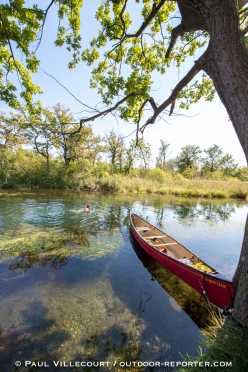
x,y
182,262
182,294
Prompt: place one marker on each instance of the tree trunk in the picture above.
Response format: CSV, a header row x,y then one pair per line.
x,y
240,279
48,163
227,65
47,158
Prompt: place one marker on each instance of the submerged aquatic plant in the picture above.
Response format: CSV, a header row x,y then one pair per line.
x,y
33,244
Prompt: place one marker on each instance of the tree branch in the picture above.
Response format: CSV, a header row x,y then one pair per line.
x,y
10,47
107,111
180,30
176,32
155,10
121,17
67,90
245,30
43,24
198,66
242,3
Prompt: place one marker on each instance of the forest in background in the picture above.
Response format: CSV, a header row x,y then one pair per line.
x,y
50,149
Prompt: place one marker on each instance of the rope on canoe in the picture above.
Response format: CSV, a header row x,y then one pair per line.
x,y
227,311
205,294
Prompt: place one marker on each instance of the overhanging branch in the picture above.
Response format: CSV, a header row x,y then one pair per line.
x,y
107,111
176,32
198,66
244,32
242,3
43,24
154,12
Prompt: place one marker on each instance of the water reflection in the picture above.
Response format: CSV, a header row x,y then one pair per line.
x,y
58,316
183,296
209,211
73,287
28,260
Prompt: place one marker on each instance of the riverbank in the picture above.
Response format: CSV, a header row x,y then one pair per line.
x,y
168,185
41,242
177,186
226,349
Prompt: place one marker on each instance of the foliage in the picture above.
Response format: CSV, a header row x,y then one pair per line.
x,y
139,153
190,172
216,175
159,175
188,158
72,140
67,154
215,161
123,57
119,42
228,165
193,93
242,174
115,148
21,34
162,155
212,160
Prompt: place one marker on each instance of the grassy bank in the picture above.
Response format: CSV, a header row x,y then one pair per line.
x,y
178,186
225,344
151,182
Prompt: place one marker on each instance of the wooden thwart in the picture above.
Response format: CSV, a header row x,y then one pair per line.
x,y
155,236
159,245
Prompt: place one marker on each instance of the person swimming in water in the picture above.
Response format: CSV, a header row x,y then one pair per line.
x,y
87,209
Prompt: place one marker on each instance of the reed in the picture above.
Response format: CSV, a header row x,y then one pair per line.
x,y
177,186
151,183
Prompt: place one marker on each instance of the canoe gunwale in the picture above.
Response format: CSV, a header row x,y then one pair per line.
x,y
214,272
217,287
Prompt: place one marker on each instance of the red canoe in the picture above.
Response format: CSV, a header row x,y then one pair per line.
x,y
183,263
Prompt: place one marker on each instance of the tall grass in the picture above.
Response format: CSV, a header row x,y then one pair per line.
x,y
153,181
172,185
225,343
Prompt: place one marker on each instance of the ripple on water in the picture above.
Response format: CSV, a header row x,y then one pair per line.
x,y
76,287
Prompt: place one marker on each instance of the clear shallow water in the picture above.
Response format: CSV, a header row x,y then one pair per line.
x,y
77,287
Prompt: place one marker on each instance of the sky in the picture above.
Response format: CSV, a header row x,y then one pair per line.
x,y
204,124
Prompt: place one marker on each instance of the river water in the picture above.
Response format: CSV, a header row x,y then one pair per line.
x,y
77,293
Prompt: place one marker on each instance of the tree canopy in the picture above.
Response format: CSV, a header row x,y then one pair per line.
x,y
134,42
189,157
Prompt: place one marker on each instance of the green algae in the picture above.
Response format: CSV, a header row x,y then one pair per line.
x,y
44,243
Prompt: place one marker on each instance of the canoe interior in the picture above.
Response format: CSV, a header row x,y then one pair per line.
x,y
167,245
182,262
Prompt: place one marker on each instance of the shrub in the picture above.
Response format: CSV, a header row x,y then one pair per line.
x,y
158,175
179,177
190,173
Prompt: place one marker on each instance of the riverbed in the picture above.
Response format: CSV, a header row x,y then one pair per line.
x,y
76,288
